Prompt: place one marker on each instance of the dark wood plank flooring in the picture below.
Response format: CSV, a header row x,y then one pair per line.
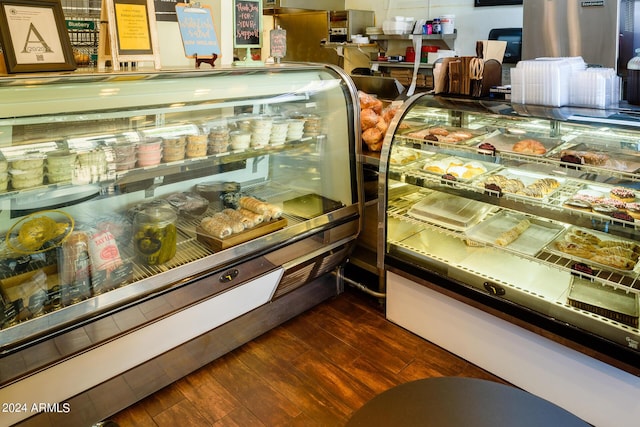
x,y
314,370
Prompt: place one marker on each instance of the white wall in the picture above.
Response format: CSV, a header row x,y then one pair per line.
x,y
472,23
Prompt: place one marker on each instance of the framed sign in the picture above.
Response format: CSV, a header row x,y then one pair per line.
x,y
197,30
247,23
128,33
34,36
132,26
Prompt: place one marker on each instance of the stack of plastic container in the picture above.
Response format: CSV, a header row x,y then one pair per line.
x,y
544,81
595,88
558,82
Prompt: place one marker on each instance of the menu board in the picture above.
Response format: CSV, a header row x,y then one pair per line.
x,y
197,31
247,23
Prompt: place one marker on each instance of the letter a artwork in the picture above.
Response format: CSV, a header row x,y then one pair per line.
x,y
35,46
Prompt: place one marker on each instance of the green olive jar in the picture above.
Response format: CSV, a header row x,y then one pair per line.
x,y
155,235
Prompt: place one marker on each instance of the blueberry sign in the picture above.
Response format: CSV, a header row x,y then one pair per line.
x,y
247,23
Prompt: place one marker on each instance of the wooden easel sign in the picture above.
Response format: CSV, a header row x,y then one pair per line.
x,y
198,33
128,33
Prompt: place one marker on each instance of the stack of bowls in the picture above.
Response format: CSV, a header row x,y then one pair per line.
x,y
60,166
218,140
27,172
279,132
125,155
149,152
173,148
197,146
295,129
261,131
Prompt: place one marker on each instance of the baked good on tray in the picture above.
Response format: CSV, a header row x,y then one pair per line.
x,y
622,193
584,157
619,254
536,189
529,146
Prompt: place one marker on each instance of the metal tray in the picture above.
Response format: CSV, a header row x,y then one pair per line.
x,y
616,157
420,133
551,247
452,212
613,303
527,179
504,143
439,158
534,238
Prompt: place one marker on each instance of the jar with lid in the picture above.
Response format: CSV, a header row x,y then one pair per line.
x,y
633,79
155,235
410,54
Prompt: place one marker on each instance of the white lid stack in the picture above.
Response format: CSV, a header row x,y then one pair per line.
x,y
558,82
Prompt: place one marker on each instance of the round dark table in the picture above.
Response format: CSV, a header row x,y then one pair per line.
x,y
460,402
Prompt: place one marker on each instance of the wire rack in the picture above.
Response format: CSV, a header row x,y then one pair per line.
x,y
83,25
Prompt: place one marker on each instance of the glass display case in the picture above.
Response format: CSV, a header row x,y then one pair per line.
x,y
525,212
131,198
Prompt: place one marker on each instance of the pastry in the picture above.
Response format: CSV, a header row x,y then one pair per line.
x,y
268,210
578,204
215,227
582,251
368,119
369,101
255,218
513,233
461,135
584,157
604,209
617,251
373,138
529,146
438,131
633,209
458,171
614,261
622,193
435,167
590,237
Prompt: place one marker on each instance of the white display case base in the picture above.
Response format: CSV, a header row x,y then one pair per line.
x,y
598,393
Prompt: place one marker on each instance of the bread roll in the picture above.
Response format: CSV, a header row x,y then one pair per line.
x,y
215,227
368,119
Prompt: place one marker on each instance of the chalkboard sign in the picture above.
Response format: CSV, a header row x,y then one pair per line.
x,y
278,43
247,21
197,31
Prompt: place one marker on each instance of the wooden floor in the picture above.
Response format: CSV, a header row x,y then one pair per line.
x,y
314,370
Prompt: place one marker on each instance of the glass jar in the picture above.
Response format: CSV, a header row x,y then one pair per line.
x,y
155,235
